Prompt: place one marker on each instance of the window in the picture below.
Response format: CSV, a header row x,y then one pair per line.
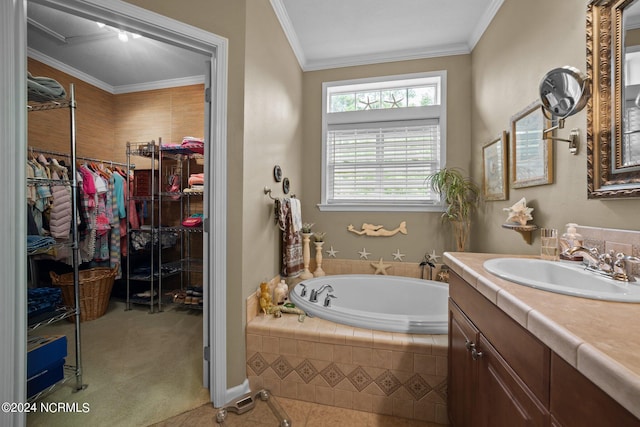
x,y
381,139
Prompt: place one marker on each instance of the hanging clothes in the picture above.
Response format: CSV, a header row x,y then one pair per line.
x,y
60,216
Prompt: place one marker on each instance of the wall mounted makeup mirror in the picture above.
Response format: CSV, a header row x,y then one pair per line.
x,y
613,117
564,92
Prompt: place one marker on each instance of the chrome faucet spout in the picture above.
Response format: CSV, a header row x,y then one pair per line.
x,y
314,293
590,256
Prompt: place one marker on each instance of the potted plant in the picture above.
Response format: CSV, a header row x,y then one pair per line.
x,y
461,195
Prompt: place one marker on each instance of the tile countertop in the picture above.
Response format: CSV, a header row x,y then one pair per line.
x,y
601,339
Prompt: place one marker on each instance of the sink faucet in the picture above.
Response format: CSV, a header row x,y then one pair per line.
x,y
617,266
590,256
314,293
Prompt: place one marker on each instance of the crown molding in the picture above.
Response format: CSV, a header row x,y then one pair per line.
x,y
484,22
289,31
58,65
378,58
160,84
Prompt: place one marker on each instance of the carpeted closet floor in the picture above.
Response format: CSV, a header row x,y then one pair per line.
x,y
140,368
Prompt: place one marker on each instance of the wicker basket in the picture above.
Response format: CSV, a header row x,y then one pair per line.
x,y
95,290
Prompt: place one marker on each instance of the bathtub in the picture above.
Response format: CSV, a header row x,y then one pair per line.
x,y
385,303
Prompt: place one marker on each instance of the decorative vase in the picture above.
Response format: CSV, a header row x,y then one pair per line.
x,y
318,272
306,256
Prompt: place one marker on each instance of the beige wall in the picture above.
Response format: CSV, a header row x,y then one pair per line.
x,y
272,134
264,129
524,41
425,232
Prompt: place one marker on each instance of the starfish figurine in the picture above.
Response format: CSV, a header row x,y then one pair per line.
x,y
381,268
397,256
432,257
332,252
368,103
364,254
394,102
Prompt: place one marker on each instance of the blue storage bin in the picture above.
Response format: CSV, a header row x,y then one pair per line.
x,y
44,351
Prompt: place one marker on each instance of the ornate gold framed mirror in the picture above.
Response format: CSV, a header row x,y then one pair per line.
x,y
613,112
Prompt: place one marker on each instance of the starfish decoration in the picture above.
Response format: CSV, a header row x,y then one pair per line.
x,y
397,255
394,102
368,103
432,257
380,267
332,252
364,254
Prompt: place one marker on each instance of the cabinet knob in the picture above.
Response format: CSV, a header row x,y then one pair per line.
x,y
475,354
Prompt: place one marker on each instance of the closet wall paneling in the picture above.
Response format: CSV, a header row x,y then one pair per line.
x,y
173,112
95,118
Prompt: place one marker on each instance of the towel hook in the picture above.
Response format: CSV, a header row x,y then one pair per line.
x,y
267,191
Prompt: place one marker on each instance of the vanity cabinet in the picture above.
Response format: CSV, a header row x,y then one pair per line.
x,y
485,388
502,375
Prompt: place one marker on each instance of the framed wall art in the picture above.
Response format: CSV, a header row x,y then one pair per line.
x,y
531,153
495,185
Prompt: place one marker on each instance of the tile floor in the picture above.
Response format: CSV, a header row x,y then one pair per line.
x,y
301,414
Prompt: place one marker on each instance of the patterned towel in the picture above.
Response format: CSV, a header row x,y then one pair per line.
x,y
292,263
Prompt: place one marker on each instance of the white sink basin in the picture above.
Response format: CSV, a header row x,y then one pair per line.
x,y
564,278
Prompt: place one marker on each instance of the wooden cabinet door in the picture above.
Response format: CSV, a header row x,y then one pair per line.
x,y
578,402
503,399
462,369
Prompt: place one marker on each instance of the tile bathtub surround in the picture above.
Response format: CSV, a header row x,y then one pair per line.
x,y
323,362
333,266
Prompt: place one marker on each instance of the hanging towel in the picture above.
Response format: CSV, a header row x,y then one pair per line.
x,y
292,263
296,214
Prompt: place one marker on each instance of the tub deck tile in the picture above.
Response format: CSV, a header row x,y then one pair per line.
x,y
363,337
383,340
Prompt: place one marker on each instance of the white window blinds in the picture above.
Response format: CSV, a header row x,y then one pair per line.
x,y
382,162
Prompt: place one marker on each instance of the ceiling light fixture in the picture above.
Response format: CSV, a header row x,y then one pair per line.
x,y
123,35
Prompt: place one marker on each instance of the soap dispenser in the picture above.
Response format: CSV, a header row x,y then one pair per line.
x,y
568,240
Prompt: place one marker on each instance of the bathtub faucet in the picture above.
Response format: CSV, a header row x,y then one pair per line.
x,y
314,293
303,292
327,300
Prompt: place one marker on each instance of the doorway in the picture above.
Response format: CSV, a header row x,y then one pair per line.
x,y
14,59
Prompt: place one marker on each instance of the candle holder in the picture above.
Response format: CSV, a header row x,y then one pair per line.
x,y
306,256
318,271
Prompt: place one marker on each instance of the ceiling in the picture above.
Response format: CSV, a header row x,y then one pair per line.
x,y
323,34
337,33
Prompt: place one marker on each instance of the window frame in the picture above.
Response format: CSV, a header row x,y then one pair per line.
x,y
437,112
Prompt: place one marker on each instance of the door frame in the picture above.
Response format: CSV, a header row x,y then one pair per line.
x,y
13,142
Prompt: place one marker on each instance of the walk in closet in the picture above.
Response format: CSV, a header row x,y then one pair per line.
x,y
126,99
